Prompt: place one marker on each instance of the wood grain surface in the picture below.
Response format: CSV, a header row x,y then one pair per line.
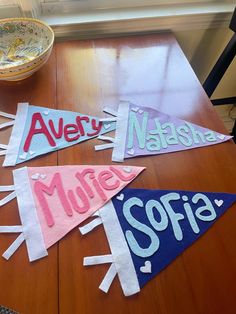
x,y
85,76
27,287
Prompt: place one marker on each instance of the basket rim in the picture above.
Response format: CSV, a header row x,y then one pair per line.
x,y
15,19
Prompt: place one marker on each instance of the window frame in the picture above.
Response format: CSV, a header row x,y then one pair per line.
x,y
101,22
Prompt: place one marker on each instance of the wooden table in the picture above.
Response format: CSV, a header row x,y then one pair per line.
x,y
84,76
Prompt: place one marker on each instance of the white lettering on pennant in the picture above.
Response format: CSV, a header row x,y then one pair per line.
x,y
165,134
165,210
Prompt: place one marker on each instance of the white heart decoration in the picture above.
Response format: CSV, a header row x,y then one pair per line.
x,y
43,176
147,268
120,197
221,136
31,152
23,156
130,151
46,112
135,109
219,202
35,176
107,126
127,169
140,111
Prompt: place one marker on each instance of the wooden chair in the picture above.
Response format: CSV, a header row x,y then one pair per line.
x,y
219,70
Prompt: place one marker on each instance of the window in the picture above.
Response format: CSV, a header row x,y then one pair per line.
x,y
71,6
100,17
9,8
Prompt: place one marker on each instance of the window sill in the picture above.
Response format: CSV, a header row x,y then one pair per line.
x,y
9,11
124,21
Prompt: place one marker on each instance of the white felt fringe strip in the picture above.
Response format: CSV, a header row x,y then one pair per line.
x,y
16,135
6,124
14,246
104,146
3,152
33,234
90,226
7,115
119,249
96,260
110,111
96,214
108,120
8,198
120,256
121,130
106,138
7,229
108,279
7,188
3,146
118,143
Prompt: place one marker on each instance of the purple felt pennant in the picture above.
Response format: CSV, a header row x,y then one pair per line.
x,y
147,229
144,131
39,130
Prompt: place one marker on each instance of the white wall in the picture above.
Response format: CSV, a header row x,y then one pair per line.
x,y
202,48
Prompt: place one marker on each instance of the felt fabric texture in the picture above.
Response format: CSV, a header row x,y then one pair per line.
x,y
170,243
54,200
76,194
145,131
157,226
39,130
32,232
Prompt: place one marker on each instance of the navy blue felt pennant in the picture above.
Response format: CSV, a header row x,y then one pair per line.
x,y
148,229
178,227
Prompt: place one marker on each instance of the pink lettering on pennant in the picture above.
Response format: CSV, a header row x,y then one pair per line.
x,y
60,128
37,117
56,184
80,125
96,128
104,176
71,129
98,188
83,198
121,176
85,185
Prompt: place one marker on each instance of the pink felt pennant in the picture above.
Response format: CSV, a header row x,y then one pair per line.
x,y
54,200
